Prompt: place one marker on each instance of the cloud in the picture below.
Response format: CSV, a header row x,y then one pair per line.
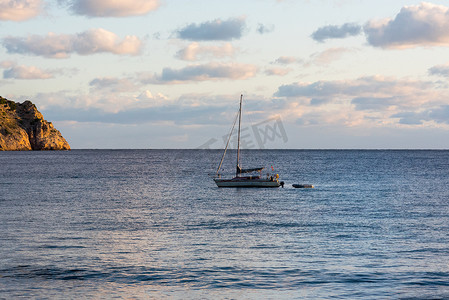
x,y
211,71
105,96
286,60
336,32
418,25
195,51
439,115
440,70
84,43
319,101
112,85
217,30
147,107
100,40
113,8
327,56
14,71
374,103
172,113
147,95
263,29
19,10
277,71
410,118
156,100
371,86
318,58
350,107
414,26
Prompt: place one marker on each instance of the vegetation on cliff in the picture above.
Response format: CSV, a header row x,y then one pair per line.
x,y
22,127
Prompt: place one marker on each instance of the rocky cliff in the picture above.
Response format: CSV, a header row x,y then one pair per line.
x,y
22,127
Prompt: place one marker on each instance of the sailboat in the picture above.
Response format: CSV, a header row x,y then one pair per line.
x,y
256,181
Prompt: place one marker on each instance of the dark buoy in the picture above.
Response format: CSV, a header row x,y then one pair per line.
x,y
302,186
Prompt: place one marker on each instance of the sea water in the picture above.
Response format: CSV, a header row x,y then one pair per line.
x,y
152,224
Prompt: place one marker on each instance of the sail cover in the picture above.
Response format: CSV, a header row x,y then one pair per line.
x,y
240,170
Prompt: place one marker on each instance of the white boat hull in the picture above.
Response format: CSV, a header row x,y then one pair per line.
x,y
247,183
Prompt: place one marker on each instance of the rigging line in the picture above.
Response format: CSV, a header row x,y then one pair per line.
x,y
227,144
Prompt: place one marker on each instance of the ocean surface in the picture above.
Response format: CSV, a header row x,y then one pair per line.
x,y
151,224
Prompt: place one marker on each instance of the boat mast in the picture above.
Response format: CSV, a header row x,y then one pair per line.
x,y
237,172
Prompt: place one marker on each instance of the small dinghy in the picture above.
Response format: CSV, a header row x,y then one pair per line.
x,y
302,186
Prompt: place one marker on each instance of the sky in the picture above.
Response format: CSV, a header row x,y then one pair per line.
x,y
314,74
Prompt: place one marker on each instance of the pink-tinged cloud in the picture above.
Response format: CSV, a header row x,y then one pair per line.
x,y
14,71
328,56
417,25
19,10
277,71
100,40
113,8
63,45
152,100
195,51
205,72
